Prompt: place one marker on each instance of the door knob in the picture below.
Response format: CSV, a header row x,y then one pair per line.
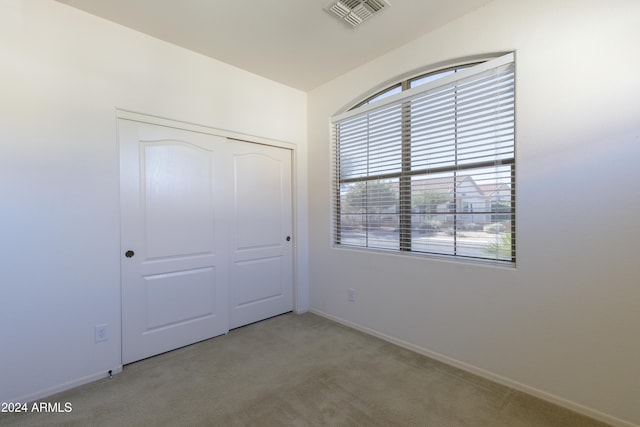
x,y
288,238
129,254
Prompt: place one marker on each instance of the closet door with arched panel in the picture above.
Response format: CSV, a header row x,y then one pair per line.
x,y
261,253
206,236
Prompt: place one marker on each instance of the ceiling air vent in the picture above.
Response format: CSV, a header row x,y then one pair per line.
x,y
355,12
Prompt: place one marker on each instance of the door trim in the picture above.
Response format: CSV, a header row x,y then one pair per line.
x,y
155,120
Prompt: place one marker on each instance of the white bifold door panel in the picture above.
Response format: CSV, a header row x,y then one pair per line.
x,y
205,222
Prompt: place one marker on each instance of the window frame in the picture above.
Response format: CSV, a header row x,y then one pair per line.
x,y
404,176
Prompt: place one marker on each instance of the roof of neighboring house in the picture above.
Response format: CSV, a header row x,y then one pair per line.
x,y
491,189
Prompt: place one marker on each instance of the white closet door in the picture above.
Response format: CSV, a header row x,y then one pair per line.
x,y
206,236
174,251
261,272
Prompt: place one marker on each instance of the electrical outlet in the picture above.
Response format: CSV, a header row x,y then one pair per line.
x,y
351,294
102,333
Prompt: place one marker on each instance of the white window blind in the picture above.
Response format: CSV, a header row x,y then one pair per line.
x,y
431,169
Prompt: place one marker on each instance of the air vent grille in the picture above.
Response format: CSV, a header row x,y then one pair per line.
x,y
355,12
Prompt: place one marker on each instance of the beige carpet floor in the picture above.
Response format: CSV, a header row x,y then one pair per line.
x,y
297,370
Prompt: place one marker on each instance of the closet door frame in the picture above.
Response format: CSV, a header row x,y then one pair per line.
x,y
300,303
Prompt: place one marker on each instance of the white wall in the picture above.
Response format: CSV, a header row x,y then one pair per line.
x,y
564,323
63,73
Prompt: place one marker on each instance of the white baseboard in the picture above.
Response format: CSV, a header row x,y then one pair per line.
x,y
47,392
576,407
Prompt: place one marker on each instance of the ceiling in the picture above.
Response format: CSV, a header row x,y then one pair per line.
x,y
294,42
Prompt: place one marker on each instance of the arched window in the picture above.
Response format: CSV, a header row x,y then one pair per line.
x,y
428,165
